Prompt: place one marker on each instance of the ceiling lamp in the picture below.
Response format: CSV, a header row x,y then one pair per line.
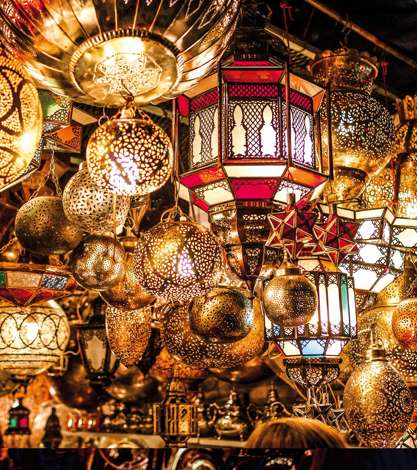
x,y
362,132
312,350
26,284
247,149
41,227
378,405
32,339
90,207
21,122
101,53
178,260
129,154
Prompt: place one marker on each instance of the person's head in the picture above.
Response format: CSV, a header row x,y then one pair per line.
x,y
295,433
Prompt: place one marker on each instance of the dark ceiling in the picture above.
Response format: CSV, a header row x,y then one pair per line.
x,y
392,21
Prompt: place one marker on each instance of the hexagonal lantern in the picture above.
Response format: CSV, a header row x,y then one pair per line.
x,y
239,168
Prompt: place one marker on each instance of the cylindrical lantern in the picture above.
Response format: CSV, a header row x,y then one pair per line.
x,y
91,207
129,155
362,128
21,122
32,339
103,53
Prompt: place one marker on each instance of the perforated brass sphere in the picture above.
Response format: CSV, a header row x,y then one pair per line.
x,y
289,299
195,351
178,261
20,121
128,294
378,405
98,262
224,314
404,323
90,207
128,332
41,227
129,156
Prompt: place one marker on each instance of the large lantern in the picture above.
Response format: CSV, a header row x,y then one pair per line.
x,y
239,166
101,53
32,339
362,131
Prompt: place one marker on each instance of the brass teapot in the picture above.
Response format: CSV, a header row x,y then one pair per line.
x,y
273,408
230,421
205,426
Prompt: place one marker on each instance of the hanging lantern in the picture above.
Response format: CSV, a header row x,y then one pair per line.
x,y
26,284
224,314
128,293
242,162
18,420
98,262
193,350
91,207
290,298
178,261
150,53
128,332
377,402
332,325
97,356
175,419
129,154
52,437
362,128
41,227
21,123
404,323
32,339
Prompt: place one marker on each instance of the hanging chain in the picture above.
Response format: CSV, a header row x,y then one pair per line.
x,y
54,176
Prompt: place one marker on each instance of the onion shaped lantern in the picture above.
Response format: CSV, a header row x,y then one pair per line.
x,y
100,53
247,152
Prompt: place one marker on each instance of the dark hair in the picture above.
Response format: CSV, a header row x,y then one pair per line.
x,y
295,433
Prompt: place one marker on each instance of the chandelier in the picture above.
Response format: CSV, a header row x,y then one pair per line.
x,y
151,51
251,140
32,339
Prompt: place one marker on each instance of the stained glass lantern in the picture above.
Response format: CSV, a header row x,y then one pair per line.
x,y
26,284
362,131
96,354
332,325
18,420
32,339
102,53
175,419
239,168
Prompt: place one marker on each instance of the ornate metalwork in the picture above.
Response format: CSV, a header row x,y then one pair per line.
x,y
181,342
150,51
21,122
128,332
377,402
41,227
289,299
32,339
98,262
224,314
90,207
178,261
129,155
312,372
404,323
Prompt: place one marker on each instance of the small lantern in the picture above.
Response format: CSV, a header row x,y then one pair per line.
x,y
239,165
18,420
52,437
97,356
175,419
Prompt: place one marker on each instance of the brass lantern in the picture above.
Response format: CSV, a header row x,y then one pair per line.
x,y
362,130
404,323
102,53
21,122
32,339
251,146
129,154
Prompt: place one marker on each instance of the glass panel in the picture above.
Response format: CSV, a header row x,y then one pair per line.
x,y
313,348
352,307
344,299
324,308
